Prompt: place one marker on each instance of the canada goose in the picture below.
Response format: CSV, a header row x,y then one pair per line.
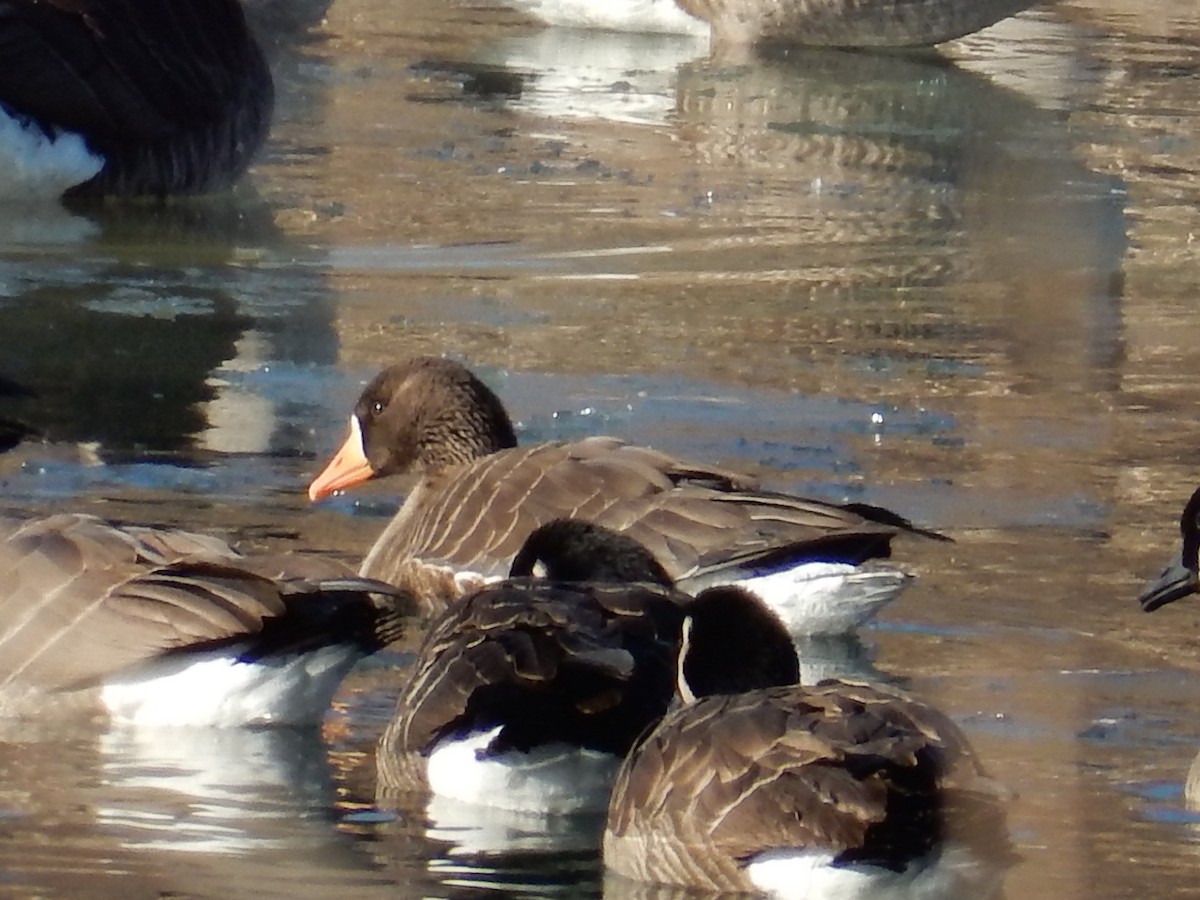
x,y
128,97
823,23
526,694
1180,578
840,790
160,627
480,495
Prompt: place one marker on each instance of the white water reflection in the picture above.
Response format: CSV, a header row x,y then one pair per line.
x,y
568,73
214,790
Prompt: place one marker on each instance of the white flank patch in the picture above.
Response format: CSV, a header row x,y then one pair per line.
x,y
951,874
555,779
654,16
827,598
213,689
34,166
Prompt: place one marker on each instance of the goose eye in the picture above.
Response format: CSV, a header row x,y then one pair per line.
x,y
377,407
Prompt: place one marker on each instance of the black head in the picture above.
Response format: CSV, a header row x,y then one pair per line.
x,y
578,550
732,643
1180,578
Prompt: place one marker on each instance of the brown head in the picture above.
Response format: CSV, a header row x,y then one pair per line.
x,y
424,415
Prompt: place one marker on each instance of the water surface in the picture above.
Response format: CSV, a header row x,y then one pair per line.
x,y
958,284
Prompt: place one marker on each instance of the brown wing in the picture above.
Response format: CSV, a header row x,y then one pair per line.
x,y
81,599
856,770
696,520
175,93
585,664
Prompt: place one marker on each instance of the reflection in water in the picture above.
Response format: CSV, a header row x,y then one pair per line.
x,y
833,236
466,829
146,342
814,194
199,812
462,853
123,365
572,73
229,791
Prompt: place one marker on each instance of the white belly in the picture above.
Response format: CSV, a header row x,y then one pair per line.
x,y
37,167
949,874
555,779
213,688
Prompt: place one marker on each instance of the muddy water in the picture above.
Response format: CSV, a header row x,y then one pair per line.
x,y
959,285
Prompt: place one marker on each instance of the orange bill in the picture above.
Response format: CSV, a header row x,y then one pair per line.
x,y
348,467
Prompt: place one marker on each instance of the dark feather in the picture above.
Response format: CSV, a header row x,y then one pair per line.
x,y
175,94
83,599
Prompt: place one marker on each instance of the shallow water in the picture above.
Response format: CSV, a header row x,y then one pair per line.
x,y
960,285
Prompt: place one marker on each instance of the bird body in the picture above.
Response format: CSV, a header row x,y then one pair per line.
x,y
164,627
525,695
757,784
128,97
479,496
813,23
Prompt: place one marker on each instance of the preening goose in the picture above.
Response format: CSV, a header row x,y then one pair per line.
x,y
480,495
819,23
526,695
161,627
128,97
840,790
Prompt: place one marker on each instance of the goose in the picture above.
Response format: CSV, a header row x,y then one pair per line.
x,y
1180,578
479,496
839,790
158,627
526,694
128,97
822,23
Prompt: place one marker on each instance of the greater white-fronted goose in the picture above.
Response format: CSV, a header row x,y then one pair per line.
x,y
840,790
526,695
160,627
814,23
128,97
1181,577
480,495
